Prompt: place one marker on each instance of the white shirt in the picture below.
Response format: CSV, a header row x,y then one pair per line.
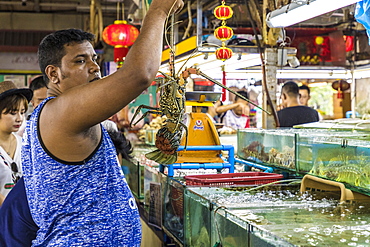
x,y
6,181
234,121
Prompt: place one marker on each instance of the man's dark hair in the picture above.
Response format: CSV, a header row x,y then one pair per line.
x,y
304,87
242,93
51,49
37,83
290,88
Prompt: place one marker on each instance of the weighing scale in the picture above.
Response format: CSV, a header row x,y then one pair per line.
x,y
203,146
201,129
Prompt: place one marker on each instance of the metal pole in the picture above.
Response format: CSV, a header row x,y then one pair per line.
x,y
268,121
199,23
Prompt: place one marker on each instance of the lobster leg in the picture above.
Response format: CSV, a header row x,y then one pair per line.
x,y
186,134
153,110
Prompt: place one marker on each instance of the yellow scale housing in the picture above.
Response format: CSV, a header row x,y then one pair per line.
x,y
201,132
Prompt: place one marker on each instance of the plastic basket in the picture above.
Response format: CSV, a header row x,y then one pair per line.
x,y
312,183
231,179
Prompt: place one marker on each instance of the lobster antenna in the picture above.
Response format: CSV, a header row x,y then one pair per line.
x,y
193,54
172,47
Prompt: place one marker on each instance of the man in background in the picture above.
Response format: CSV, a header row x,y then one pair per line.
x,y
305,96
293,112
39,88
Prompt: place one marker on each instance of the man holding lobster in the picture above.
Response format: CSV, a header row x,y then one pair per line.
x,y
75,189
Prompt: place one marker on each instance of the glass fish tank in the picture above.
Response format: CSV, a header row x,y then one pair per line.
x,y
343,159
283,216
134,170
343,124
204,225
173,208
219,224
197,220
272,147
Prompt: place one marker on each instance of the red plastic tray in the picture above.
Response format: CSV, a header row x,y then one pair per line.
x,y
228,179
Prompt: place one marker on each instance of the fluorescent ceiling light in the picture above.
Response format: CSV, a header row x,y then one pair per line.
x,y
301,10
237,61
314,74
360,73
304,73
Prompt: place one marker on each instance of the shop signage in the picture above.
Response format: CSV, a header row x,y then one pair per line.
x,y
18,61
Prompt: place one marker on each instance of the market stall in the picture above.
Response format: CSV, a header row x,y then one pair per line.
x,y
316,191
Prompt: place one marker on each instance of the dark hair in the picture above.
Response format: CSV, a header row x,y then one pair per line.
x,y
37,83
242,93
291,88
122,145
51,49
304,87
11,103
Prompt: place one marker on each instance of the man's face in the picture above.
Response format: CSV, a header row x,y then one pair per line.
x,y
38,96
78,66
243,107
304,97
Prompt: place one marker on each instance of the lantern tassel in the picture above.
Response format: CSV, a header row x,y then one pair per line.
x,y
223,98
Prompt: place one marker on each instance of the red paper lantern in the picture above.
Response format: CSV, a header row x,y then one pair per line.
x,y
224,53
223,33
120,33
223,12
349,40
120,53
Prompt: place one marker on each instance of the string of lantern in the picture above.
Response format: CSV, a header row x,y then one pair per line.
x,y
223,33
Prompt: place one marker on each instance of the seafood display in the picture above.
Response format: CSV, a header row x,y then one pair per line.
x,y
282,217
338,156
345,160
266,146
354,170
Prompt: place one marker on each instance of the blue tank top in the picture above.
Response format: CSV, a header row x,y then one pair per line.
x,y
84,203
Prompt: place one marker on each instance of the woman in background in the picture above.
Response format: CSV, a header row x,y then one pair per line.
x,y
13,106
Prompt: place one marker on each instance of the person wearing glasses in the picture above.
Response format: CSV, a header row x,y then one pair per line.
x,y
76,191
13,107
